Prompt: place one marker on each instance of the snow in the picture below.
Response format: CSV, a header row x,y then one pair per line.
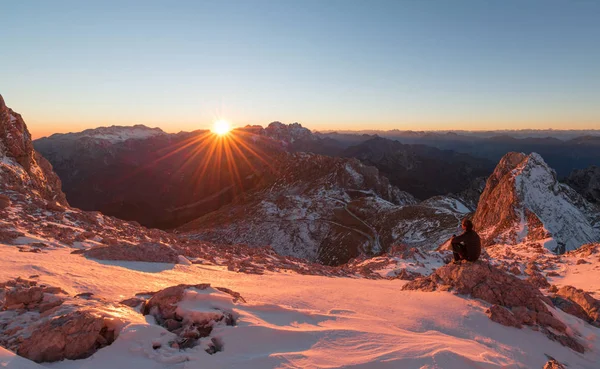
x,y
296,321
115,134
356,177
541,193
9,360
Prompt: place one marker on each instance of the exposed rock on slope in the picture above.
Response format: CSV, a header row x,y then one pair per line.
x,y
586,182
309,211
168,307
42,324
21,167
514,302
523,201
579,303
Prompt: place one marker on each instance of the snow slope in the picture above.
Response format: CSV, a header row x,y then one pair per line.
x,y
288,322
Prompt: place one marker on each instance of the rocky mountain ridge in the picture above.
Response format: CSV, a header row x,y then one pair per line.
x,y
524,201
20,165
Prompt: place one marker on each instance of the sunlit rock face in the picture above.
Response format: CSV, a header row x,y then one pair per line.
x,y
523,201
21,167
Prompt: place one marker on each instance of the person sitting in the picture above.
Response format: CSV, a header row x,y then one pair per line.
x,y
467,246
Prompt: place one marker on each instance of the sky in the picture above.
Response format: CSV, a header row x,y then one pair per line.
x,y
329,64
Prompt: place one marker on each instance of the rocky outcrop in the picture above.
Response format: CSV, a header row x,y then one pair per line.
x,y
21,167
578,303
524,202
42,323
553,364
164,306
586,182
514,302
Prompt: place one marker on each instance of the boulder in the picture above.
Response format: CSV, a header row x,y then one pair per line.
x,y
163,306
76,335
503,316
40,325
578,303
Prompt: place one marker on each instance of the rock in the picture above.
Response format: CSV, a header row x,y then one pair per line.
x,y
579,303
133,302
553,364
41,327
183,260
26,169
581,261
503,316
515,270
523,193
569,307
71,336
537,279
163,306
24,296
4,201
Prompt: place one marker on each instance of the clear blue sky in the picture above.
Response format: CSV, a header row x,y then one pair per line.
x,y
69,65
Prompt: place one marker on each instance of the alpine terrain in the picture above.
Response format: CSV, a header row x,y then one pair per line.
x,y
313,261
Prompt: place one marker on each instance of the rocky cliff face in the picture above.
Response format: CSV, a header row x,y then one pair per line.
x,y
523,201
21,167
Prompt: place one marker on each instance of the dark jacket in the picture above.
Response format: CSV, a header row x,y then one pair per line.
x,y
472,244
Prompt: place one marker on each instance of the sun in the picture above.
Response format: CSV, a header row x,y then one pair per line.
x,y
221,127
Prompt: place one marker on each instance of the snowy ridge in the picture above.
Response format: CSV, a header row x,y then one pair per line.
x,y
114,134
523,201
553,203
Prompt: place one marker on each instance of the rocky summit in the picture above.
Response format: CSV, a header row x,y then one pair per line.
x,y
524,201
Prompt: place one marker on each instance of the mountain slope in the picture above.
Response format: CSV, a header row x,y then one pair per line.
x,y
586,182
421,170
329,210
160,180
523,201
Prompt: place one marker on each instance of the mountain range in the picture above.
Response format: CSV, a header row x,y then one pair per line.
x,y
83,289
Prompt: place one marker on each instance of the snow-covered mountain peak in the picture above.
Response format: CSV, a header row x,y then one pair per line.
x,y
288,132
114,134
523,201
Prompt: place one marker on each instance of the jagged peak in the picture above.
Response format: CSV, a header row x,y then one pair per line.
x,y
523,201
24,169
